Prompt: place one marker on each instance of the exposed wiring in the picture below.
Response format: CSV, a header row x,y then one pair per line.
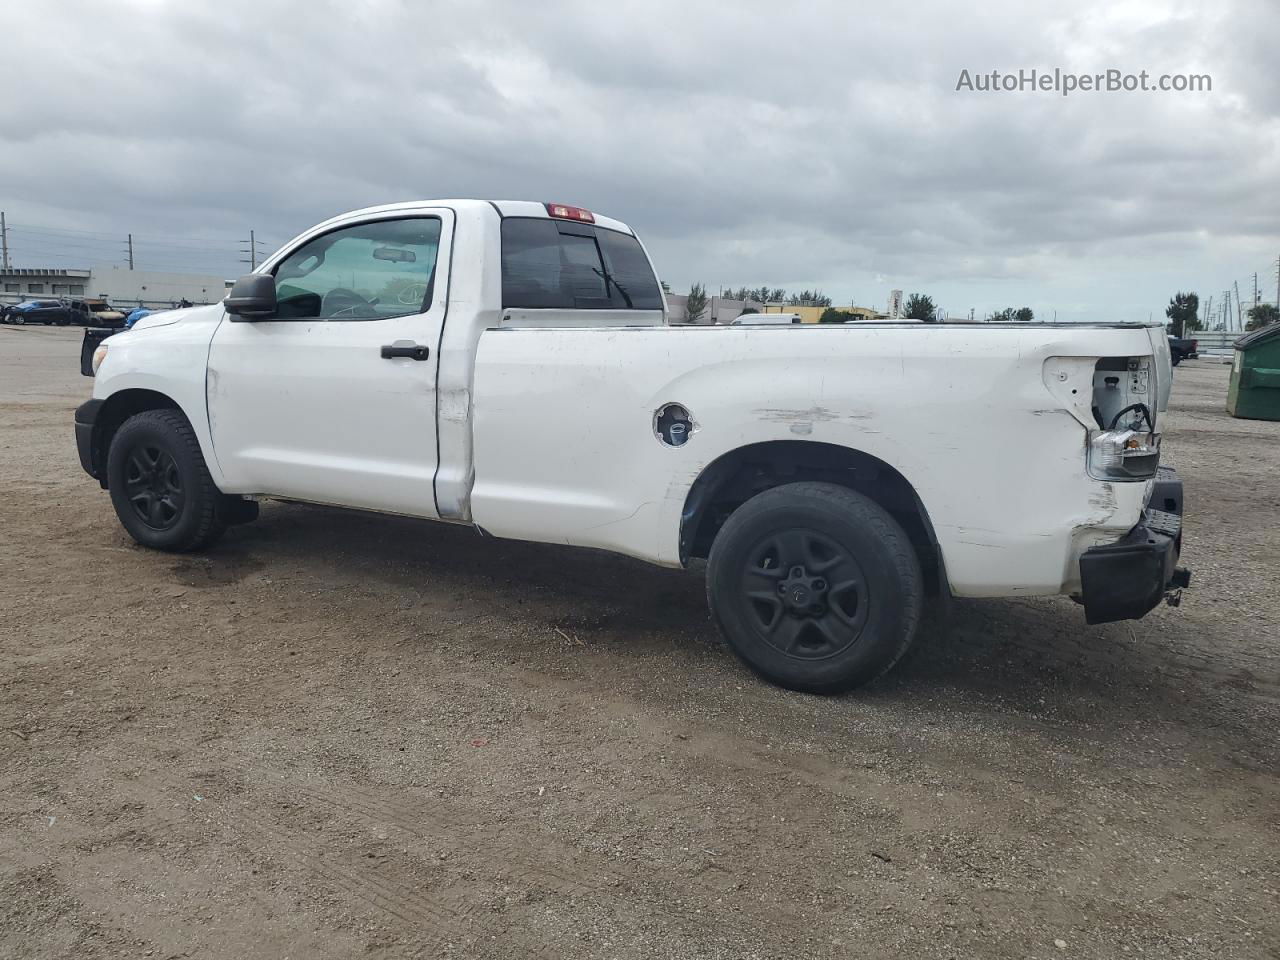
x,y
1146,413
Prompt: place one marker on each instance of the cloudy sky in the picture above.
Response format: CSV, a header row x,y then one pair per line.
x,y
811,144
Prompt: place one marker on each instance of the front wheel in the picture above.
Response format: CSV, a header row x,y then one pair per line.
x,y
160,486
815,587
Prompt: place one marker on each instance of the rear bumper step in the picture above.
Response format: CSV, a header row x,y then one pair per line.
x,y
1125,580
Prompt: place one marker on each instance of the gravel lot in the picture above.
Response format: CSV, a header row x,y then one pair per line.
x,y
342,735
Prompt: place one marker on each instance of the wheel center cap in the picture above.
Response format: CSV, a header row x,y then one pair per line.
x,y
801,592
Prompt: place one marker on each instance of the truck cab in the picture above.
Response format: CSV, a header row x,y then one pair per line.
x,y
508,365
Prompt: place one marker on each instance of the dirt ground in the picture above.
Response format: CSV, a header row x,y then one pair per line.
x,y
343,735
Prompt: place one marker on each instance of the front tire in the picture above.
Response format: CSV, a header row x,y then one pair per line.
x,y
815,587
160,486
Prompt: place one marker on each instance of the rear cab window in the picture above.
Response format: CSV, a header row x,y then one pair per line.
x,y
565,265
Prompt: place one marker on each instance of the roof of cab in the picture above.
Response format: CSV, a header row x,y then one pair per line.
x,y
504,208
534,208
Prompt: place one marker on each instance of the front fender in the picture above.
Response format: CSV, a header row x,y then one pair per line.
x,y
169,359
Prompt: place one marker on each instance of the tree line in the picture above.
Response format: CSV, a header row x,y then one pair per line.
x,y
918,306
805,298
697,302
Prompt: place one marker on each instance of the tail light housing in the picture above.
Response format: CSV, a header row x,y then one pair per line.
x,y
1123,454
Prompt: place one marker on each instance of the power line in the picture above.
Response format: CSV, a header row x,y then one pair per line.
x,y
138,241
114,236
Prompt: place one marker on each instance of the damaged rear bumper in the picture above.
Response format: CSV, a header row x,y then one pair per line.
x,y
1125,580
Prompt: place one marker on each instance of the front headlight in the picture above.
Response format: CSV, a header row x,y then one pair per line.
x,y
1123,454
98,356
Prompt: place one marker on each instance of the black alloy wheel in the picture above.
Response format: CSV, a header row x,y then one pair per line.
x,y
804,593
160,485
153,485
815,586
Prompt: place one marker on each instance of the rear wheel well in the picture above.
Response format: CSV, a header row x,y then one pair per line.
x,y
116,409
733,479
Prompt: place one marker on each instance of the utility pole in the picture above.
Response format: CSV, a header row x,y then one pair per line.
x,y
129,251
1226,309
1255,288
1208,312
1239,315
252,252
4,242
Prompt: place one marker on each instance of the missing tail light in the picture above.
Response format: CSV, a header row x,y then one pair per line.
x,y
1126,446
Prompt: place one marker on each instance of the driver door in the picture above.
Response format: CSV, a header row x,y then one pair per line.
x,y
333,400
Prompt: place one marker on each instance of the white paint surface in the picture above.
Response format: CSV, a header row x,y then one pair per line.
x,y
539,424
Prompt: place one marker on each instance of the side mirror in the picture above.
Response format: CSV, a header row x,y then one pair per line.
x,y
253,297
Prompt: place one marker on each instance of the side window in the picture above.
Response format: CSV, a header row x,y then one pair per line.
x,y
568,266
370,271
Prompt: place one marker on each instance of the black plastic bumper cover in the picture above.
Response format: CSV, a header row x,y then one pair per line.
x,y
1127,579
86,417
93,336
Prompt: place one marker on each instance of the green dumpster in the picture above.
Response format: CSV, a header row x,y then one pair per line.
x,y
1254,393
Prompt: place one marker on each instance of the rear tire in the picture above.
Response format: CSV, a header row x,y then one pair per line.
x,y
160,485
815,587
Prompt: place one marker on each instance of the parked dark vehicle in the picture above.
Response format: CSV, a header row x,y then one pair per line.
x,y
39,311
1183,348
85,312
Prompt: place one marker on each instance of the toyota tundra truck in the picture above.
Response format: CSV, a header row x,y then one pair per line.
x,y
509,366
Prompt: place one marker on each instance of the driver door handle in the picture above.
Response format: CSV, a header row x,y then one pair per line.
x,y
406,349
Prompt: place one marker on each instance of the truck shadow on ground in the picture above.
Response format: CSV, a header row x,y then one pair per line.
x,y
1035,656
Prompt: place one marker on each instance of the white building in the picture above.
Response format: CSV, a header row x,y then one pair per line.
x,y
147,287
120,285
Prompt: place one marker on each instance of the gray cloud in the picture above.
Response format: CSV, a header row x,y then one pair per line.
x,y
820,144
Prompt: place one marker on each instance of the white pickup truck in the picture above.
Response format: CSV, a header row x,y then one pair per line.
x,y
508,365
